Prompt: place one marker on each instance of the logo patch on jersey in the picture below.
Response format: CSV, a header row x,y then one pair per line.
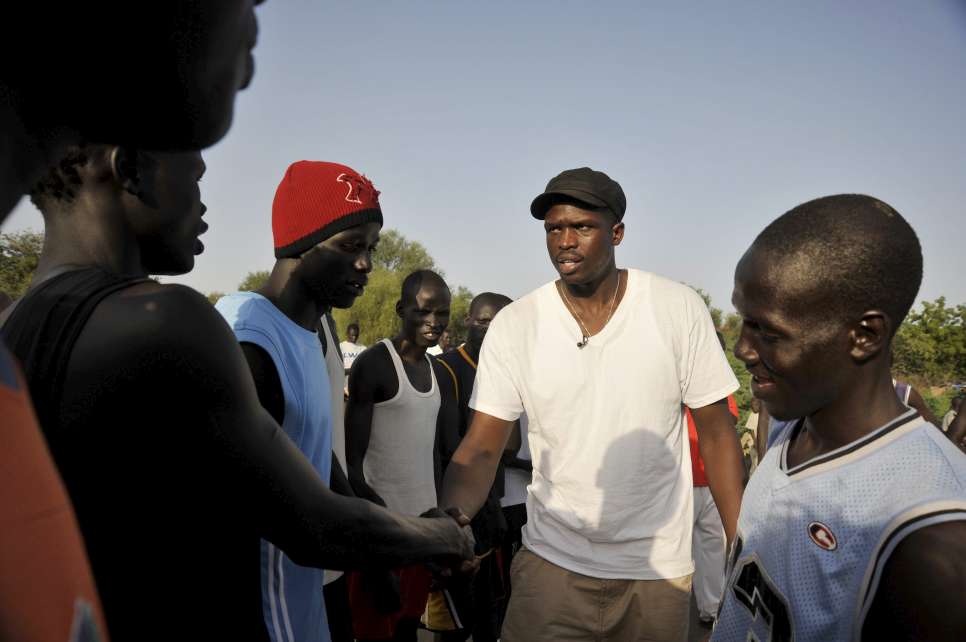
x,y
822,536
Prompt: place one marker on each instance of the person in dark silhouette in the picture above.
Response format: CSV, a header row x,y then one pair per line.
x,y
164,77
174,468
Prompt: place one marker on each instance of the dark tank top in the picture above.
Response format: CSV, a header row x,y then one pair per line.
x,y
45,325
174,553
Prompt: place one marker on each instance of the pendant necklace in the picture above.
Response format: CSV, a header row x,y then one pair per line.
x,y
585,338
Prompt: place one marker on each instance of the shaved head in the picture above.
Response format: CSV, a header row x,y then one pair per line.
x,y
423,307
497,301
483,309
417,281
842,255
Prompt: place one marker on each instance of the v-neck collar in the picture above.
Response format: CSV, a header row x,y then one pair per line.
x,y
616,317
844,453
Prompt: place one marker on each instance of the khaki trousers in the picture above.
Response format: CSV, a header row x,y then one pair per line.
x,y
551,604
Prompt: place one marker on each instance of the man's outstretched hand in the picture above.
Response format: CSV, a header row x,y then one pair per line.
x,y
457,514
468,564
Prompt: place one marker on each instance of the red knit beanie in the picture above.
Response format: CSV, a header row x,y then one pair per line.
x,y
316,200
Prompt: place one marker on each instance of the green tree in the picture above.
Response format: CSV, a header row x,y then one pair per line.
x,y
731,328
396,253
940,403
715,312
375,310
743,394
214,296
459,309
19,253
253,280
930,346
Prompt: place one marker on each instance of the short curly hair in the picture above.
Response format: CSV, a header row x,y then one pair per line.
x,y
61,181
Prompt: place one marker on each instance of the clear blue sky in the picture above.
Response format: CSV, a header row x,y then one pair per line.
x,y
715,118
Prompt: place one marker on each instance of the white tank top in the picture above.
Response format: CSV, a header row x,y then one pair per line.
x,y
399,461
333,363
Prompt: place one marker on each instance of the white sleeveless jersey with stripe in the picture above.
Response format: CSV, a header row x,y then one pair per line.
x,y
399,463
334,366
813,539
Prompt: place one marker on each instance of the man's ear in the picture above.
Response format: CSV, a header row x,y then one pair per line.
x,y
124,167
136,173
870,336
617,233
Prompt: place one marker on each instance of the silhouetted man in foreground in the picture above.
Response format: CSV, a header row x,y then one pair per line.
x,y
177,66
152,416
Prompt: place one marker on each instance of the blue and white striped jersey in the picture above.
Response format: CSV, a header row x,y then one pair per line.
x,y
292,602
813,539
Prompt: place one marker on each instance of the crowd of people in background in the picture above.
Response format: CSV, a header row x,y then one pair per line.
x,y
569,470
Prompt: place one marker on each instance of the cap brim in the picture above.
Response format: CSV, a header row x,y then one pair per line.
x,y
540,205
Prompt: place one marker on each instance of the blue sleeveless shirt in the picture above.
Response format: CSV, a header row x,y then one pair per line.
x,y
292,603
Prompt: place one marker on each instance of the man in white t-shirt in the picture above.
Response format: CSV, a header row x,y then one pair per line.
x,y
603,362
349,348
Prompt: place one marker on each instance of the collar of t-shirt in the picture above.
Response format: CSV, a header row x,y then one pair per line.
x,y
613,324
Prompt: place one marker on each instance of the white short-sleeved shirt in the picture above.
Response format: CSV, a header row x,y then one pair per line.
x,y
515,480
349,352
611,494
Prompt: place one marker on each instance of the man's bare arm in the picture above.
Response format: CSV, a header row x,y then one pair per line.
x,y
272,397
338,481
511,456
284,496
268,385
449,419
723,465
957,429
358,422
513,443
917,402
470,473
920,593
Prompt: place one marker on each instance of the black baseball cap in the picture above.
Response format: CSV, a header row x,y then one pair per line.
x,y
583,184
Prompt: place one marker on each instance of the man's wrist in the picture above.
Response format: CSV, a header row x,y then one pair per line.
x,y
458,515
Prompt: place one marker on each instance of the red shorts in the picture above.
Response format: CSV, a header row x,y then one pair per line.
x,y
368,623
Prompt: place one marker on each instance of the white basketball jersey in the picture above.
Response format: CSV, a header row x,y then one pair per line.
x,y
813,540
